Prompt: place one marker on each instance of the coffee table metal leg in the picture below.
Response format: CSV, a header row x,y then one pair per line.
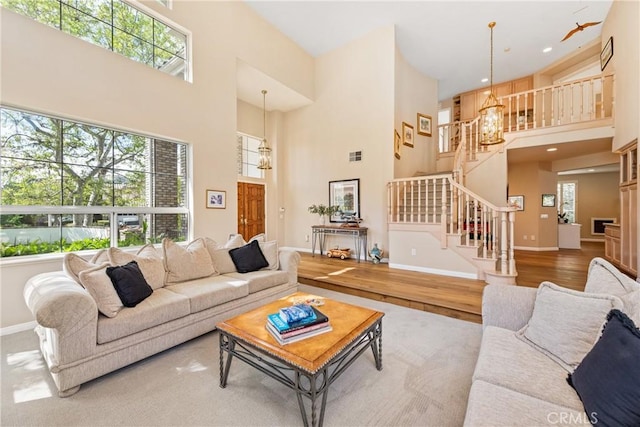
x,y
312,393
227,344
376,345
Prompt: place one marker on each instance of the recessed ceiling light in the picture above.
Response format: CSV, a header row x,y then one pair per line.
x,y
507,49
484,80
552,149
547,49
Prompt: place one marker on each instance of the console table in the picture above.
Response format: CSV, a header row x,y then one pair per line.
x,y
320,232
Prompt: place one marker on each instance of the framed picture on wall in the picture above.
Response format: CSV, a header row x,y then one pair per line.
x,y
548,200
516,202
216,199
396,144
424,125
606,54
407,134
345,195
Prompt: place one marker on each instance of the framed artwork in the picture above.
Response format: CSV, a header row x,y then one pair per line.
x,y
407,134
606,54
424,125
516,202
548,200
396,144
216,199
346,195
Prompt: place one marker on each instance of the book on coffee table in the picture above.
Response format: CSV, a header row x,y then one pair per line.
x,y
283,327
299,334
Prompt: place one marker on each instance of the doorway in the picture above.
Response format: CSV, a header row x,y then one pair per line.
x,y
251,209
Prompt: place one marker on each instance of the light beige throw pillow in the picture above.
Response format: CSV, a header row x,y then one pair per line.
x,y
565,324
186,263
100,287
235,241
270,252
149,260
73,264
222,261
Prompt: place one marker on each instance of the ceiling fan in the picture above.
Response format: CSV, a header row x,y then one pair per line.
x,y
580,28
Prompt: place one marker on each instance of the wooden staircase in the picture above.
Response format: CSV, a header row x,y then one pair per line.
x,y
479,235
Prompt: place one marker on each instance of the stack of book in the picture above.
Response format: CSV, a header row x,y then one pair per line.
x,y
296,323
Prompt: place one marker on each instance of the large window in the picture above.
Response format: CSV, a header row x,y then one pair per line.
x,y
66,186
567,191
114,25
248,156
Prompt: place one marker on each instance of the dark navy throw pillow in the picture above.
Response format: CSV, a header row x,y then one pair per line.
x,y
248,257
608,378
129,283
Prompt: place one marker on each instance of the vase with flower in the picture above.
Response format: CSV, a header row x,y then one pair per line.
x,y
322,211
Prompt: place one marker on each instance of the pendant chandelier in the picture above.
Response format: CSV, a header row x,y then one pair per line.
x,y
492,112
264,152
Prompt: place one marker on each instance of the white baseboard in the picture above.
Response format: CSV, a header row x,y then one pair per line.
x,y
17,328
537,249
434,271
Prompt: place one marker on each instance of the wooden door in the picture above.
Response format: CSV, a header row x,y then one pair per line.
x,y
468,110
250,209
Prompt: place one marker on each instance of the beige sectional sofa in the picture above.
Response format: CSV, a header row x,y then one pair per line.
x,y
533,338
85,333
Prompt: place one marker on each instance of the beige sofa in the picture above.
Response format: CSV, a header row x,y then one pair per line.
x,y
79,342
520,378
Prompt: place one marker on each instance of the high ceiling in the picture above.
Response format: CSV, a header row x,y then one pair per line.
x,y
446,40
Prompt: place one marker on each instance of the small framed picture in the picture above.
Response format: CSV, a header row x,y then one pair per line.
x,y
548,200
516,202
396,144
424,125
606,54
216,199
407,134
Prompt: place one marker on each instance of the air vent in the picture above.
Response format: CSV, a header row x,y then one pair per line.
x,y
355,156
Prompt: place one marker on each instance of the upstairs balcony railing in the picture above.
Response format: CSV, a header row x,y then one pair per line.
x,y
576,101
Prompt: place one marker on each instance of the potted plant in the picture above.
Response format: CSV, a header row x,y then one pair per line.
x,y
323,210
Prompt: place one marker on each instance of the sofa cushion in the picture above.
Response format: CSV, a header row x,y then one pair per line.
x,y
270,252
605,278
222,261
210,291
565,323
235,241
509,362
608,379
73,264
129,283
186,263
262,279
99,285
161,307
495,406
248,258
149,260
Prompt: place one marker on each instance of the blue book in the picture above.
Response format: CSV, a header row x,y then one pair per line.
x,y
296,313
283,327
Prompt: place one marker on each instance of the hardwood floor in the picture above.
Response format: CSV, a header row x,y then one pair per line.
x,y
450,296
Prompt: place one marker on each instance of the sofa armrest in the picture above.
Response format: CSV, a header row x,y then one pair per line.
x,y
289,261
507,306
59,303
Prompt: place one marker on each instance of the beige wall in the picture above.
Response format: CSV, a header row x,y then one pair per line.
x,y
415,93
531,180
49,71
353,110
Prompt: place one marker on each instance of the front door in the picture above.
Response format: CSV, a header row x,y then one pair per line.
x,y
250,209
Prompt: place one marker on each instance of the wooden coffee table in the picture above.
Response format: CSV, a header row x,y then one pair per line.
x,y
308,366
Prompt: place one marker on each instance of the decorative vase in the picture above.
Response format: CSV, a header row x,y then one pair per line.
x,y
321,219
376,254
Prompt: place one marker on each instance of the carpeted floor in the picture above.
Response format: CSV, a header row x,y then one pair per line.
x,y
427,360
